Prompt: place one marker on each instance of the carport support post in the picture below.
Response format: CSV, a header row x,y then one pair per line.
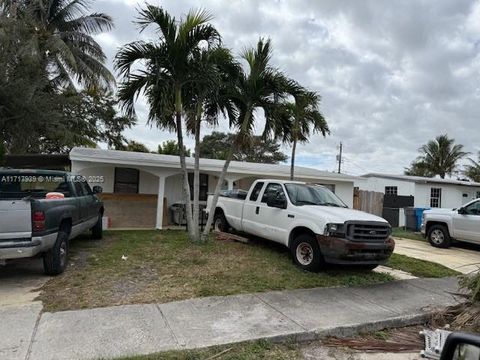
x,y
161,194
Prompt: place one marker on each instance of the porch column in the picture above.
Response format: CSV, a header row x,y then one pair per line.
x,y
161,193
230,184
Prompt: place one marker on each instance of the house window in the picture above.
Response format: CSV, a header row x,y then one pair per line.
x,y
391,190
478,194
435,197
126,180
203,186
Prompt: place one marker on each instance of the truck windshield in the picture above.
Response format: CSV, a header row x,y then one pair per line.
x,y
303,194
17,186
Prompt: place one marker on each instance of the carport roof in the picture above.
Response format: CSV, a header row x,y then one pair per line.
x,y
129,158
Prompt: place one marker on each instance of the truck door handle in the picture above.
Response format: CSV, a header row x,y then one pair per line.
x,y
257,210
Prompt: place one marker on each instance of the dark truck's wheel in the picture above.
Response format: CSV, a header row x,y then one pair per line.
x,y
97,230
306,253
55,260
438,236
220,222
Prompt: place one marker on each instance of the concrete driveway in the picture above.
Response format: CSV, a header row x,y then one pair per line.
x,y
464,258
20,281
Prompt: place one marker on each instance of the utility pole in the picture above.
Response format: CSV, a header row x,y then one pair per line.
x,y
339,158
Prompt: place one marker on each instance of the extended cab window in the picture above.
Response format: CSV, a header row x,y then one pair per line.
x,y
473,209
274,189
256,191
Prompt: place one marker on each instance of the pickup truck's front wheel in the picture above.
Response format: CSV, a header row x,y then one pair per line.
x,y
306,253
55,260
220,222
438,236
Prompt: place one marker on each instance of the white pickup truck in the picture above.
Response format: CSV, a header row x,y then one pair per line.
x,y
441,226
310,220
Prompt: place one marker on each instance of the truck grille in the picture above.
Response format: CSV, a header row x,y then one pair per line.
x,y
368,231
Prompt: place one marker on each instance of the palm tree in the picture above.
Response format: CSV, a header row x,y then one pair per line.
x,y
208,99
261,88
441,155
305,118
62,37
473,170
169,70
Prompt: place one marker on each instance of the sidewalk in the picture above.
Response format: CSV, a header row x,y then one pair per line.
x,y
462,260
143,329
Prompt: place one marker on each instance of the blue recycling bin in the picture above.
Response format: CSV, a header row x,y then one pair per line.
x,y
418,215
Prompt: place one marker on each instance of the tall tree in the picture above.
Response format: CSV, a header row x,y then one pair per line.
x,y
135,146
217,144
206,100
62,39
262,87
170,147
473,169
306,119
441,155
168,68
419,168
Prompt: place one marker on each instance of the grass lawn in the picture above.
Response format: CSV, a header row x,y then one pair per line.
x,y
162,266
420,268
241,351
402,233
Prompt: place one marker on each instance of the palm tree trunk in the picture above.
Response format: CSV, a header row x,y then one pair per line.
x,y
292,161
223,174
183,165
196,176
216,195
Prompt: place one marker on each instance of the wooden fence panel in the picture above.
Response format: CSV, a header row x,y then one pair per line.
x,y
368,201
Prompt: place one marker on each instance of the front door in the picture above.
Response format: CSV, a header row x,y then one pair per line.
x,y
467,225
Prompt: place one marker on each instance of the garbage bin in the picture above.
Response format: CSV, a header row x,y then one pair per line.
x,y
177,211
410,219
419,215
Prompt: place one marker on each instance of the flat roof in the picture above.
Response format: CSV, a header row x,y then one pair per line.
x,y
130,158
423,180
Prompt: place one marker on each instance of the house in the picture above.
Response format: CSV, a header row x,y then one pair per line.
x,y
424,192
139,188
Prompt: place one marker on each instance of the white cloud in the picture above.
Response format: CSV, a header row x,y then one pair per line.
x,y
392,75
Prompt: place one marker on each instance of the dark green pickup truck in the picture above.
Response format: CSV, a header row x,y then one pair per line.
x,y
41,210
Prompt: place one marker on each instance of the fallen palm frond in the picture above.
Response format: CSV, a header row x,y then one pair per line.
x,y
466,315
397,340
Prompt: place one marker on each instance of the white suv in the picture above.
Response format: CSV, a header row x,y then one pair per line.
x,y
441,226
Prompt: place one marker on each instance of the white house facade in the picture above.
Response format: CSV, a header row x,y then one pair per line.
x,y
139,188
427,192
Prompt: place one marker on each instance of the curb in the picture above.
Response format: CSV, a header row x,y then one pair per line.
x,y
350,330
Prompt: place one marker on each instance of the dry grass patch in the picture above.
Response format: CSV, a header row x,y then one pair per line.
x,y
164,266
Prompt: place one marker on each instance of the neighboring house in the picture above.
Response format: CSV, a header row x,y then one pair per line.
x,y
139,188
426,192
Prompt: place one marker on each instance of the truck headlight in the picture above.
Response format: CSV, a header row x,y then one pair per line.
x,y
337,230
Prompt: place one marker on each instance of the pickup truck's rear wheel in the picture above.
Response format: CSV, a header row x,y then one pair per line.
x,y
220,222
438,236
97,230
306,253
55,260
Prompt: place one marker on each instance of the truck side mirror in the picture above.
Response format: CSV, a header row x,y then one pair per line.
x,y
461,346
274,200
462,211
97,189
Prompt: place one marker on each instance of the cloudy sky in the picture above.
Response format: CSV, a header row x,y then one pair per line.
x,y
392,74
